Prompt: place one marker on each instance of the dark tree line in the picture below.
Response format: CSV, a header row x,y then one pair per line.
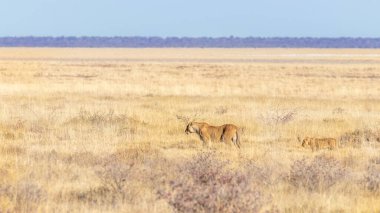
x,y
221,42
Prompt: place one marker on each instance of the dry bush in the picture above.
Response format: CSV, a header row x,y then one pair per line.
x,y
12,150
113,174
52,157
275,118
372,177
184,145
351,139
120,125
137,152
13,130
94,196
29,197
144,157
358,137
148,164
23,197
375,160
318,175
221,110
114,187
84,159
103,118
184,119
6,198
205,184
266,175
42,122
338,110
39,127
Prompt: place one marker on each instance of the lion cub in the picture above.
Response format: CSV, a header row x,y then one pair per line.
x,y
319,143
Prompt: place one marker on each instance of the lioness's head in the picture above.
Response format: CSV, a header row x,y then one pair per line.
x,y
189,128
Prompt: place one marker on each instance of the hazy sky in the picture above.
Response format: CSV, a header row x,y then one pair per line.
x,y
314,18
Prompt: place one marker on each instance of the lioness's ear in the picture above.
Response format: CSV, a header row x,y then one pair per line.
x,y
299,139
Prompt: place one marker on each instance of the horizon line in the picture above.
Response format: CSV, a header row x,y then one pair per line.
x,y
213,37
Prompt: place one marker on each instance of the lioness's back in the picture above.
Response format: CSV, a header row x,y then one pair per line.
x,y
230,127
325,142
318,143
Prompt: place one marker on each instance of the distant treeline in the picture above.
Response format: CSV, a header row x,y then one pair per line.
x,y
221,42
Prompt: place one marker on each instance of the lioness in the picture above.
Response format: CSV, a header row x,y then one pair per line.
x,y
319,143
208,133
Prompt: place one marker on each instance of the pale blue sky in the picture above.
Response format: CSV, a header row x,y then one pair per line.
x,y
267,18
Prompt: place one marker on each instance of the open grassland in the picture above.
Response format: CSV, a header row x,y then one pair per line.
x,y
97,130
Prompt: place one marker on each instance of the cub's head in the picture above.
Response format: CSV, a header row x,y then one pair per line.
x,y
306,142
189,128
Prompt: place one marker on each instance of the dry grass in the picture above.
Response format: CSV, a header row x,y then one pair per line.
x,y
96,130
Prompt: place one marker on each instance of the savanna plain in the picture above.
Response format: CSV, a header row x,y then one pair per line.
x,y
103,130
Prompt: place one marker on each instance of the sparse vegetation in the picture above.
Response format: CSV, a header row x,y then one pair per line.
x,y
23,197
359,137
102,130
206,184
372,177
318,175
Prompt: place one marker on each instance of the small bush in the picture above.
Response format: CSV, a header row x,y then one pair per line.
x,y
12,150
114,174
6,196
84,159
94,196
372,177
320,174
358,137
276,118
205,184
104,119
338,110
119,124
265,176
221,110
29,196
114,188
24,197
138,153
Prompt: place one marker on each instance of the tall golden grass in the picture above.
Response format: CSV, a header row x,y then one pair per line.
x,y
96,130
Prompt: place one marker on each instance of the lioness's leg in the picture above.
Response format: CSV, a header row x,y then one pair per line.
x,y
332,145
313,147
228,138
235,140
318,146
206,139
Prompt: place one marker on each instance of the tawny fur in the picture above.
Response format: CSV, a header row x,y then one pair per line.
x,y
319,143
226,133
